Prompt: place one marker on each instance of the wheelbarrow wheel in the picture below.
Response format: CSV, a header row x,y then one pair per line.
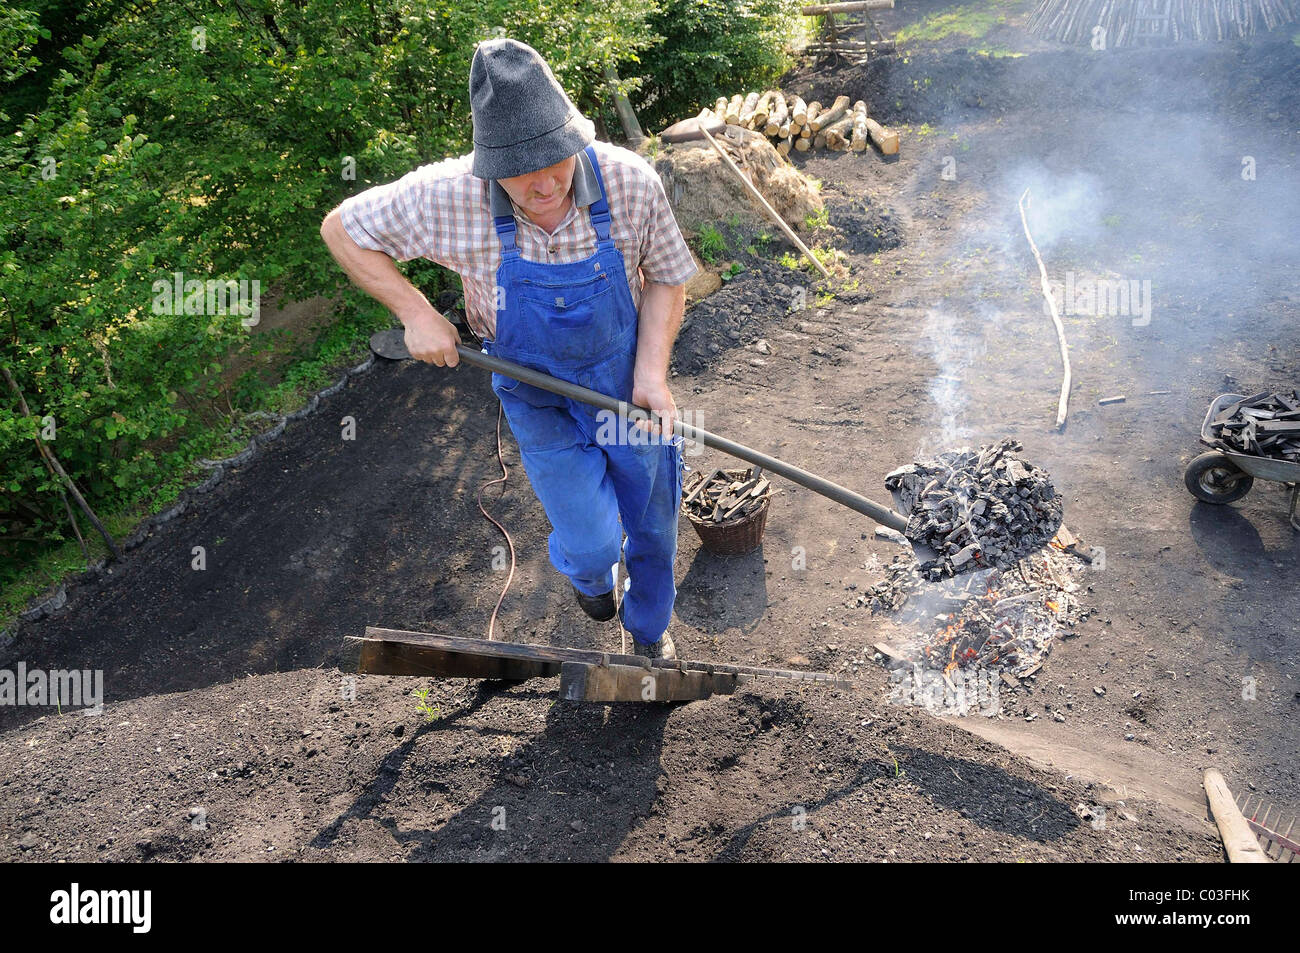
x,y
1213,478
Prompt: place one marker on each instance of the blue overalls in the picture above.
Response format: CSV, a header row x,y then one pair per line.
x,y
577,321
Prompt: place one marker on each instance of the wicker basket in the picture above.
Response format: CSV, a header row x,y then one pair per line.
x,y
733,537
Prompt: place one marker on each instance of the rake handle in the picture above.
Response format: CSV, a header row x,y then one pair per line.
x,y
832,491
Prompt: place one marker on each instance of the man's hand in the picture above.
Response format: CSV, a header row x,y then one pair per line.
x,y
655,395
431,338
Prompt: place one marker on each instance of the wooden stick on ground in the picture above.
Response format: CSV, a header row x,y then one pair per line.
x,y
1239,840
772,213
1062,405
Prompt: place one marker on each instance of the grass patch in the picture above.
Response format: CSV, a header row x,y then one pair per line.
x,y
710,244
973,20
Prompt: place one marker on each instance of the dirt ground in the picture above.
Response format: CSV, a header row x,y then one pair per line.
x,y
229,731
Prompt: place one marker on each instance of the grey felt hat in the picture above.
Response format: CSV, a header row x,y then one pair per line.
x,y
523,119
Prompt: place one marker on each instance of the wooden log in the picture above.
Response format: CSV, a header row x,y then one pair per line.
x,y
585,682
837,134
762,110
747,110
829,116
732,115
783,145
778,116
802,144
720,106
1239,840
859,139
814,108
853,6
885,139
798,112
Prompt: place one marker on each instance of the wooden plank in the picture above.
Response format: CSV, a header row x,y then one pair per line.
x,y
582,681
401,658
1238,839
429,650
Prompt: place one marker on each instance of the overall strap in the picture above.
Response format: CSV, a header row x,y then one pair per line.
x,y
599,209
503,218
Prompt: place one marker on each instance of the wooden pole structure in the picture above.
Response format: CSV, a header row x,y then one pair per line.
x,y
772,213
822,9
626,114
1239,840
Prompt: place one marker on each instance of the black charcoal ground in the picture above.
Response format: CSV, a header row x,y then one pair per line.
x,y
977,509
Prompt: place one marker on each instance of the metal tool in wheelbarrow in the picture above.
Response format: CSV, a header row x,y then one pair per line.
x,y
1225,476
391,344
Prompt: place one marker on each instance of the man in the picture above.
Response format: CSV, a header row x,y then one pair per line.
x,y
572,264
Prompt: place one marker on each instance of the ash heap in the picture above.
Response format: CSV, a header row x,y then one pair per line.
x,y
976,509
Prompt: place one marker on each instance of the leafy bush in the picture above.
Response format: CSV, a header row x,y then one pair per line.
x,y
208,138
708,48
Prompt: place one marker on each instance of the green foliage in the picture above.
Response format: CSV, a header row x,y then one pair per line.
x,y
710,244
431,713
135,147
734,269
708,48
209,138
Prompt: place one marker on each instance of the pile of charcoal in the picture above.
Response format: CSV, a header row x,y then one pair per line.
x,y
726,495
1266,425
976,509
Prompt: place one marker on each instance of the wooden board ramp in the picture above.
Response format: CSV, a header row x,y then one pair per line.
x,y
585,674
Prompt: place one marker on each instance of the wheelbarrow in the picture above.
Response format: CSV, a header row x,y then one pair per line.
x,y
1224,476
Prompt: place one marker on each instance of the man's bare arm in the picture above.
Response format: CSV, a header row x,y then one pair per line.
x,y
429,336
660,318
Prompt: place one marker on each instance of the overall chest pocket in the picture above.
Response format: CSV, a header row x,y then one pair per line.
x,y
573,322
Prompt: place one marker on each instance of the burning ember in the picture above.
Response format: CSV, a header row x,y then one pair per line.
x,y
984,629
976,509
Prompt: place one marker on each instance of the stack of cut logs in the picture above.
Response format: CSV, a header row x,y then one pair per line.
x,y
802,126
726,495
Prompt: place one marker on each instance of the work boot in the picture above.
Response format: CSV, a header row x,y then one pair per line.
x,y
600,608
664,648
